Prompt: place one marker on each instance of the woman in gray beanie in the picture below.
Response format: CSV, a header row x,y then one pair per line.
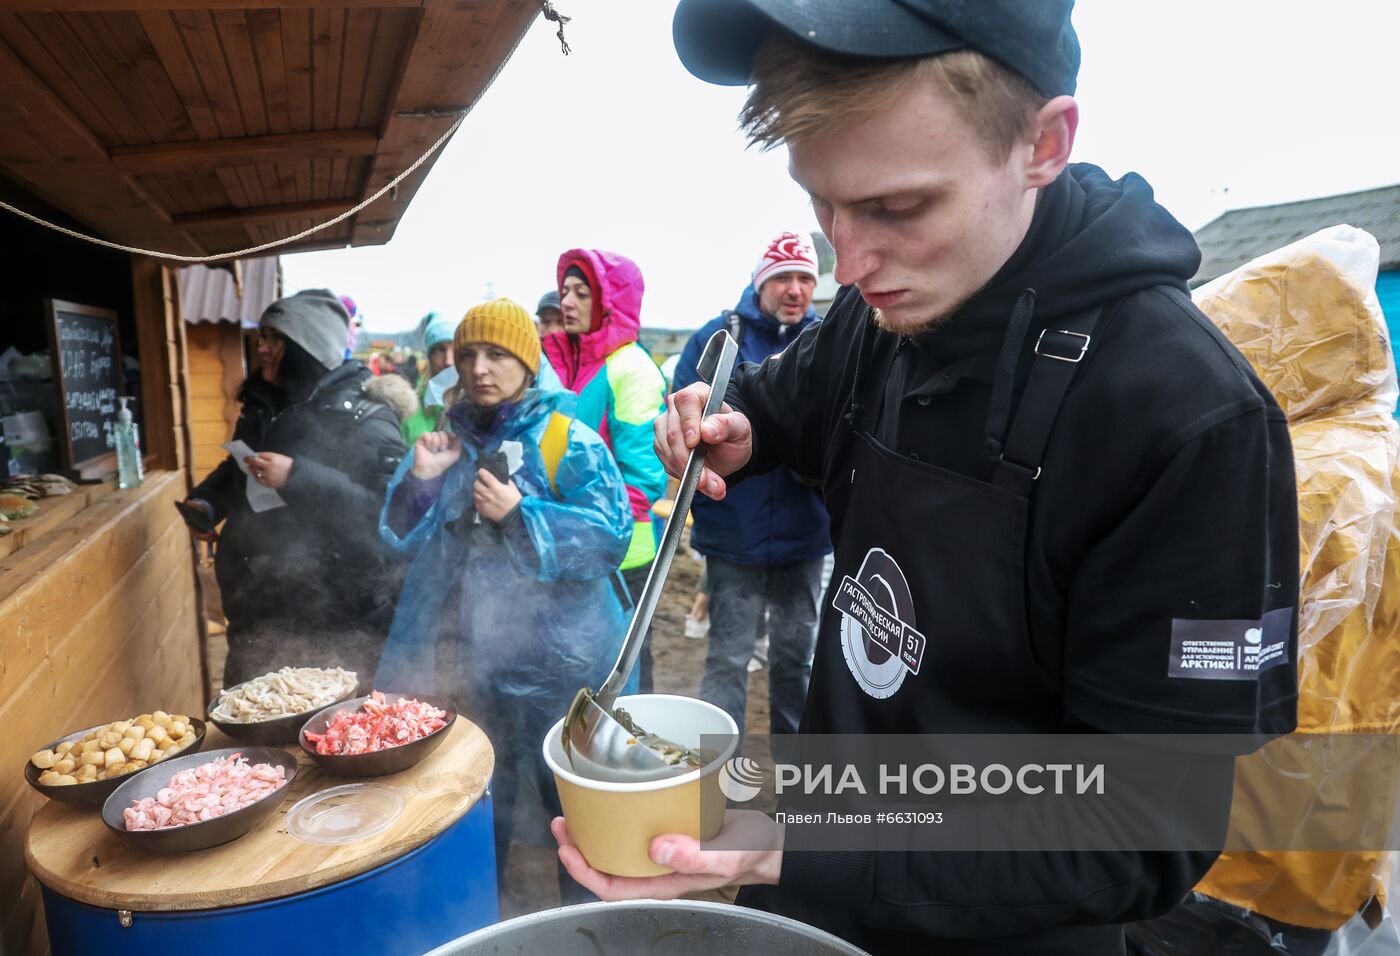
x,y
305,583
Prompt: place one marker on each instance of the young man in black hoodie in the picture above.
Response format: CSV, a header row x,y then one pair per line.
x,y
1034,449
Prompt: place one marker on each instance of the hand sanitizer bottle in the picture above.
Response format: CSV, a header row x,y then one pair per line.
x,y
128,442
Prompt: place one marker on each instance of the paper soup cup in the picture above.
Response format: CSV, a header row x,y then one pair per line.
x,y
613,824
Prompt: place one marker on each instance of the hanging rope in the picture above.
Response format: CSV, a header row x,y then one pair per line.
x,y
554,16
251,250
550,14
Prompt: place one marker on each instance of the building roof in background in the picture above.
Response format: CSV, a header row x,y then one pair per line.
x,y
206,126
1240,235
660,341
211,295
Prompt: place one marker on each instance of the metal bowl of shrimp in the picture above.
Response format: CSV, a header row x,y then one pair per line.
x,y
214,831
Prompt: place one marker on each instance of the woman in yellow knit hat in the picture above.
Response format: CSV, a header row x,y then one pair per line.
x,y
516,517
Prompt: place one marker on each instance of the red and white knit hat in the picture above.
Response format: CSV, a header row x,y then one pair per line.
x,y
789,252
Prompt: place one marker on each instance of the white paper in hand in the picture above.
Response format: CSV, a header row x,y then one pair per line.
x,y
515,455
260,497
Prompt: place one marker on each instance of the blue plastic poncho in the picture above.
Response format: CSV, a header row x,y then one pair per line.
x,y
529,613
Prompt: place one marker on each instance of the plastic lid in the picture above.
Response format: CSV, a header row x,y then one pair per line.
x,y
344,814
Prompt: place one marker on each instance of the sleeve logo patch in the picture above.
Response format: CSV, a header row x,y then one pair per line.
x,y
1229,650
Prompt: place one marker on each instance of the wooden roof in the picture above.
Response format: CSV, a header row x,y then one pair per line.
x,y
203,126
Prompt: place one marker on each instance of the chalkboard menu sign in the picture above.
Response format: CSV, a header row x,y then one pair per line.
x,y
88,374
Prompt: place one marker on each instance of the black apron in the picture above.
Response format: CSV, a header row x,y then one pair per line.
x,y
924,628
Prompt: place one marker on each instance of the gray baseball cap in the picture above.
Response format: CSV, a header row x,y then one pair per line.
x,y
550,300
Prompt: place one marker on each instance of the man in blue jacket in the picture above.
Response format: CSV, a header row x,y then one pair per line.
x,y
764,543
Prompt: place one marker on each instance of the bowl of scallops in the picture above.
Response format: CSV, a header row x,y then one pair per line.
x,y
83,768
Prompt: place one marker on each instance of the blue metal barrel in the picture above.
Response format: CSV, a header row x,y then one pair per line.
x,y
435,893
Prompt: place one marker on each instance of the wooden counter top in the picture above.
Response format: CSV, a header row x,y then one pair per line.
x,y
73,853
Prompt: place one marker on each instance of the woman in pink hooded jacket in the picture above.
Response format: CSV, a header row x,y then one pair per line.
x,y
620,389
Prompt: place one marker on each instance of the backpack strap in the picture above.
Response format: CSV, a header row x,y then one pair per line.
x,y
364,407
553,444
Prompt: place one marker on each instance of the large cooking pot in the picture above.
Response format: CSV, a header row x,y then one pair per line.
x,y
650,928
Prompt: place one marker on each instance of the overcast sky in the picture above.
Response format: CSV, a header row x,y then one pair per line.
x,y
1218,103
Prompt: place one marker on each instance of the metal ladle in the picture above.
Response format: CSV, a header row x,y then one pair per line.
x,y
600,746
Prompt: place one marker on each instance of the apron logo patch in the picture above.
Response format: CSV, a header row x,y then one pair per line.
x,y
897,638
1229,650
879,639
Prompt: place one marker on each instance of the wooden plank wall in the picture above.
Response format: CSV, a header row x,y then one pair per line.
x,y
97,623
216,372
99,614
154,293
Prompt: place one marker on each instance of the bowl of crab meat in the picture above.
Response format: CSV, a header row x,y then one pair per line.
x,y
380,734
200,801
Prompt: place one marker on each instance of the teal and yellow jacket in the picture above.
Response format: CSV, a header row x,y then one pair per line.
x,y
620,390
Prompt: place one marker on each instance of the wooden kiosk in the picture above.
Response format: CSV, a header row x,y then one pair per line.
x,y
198,128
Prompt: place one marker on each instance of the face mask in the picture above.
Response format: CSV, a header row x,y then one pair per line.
x,y
438,386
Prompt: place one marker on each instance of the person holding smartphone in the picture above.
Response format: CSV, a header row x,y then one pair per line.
x,y
515,516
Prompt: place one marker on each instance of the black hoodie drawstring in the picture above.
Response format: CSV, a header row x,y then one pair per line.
x,y
999,409
855,409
